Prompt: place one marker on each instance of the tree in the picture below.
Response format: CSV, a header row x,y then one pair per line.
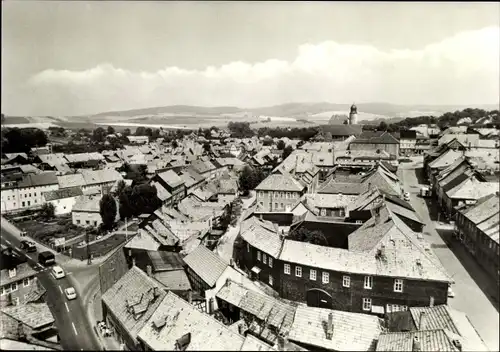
x,y
120,187
206,147
310,236
137,200
148,132
111,130
281,145
382,126
48,211
22,140
140,131
175,144
240,129
287,151
99,135
107,209
127,132
250,178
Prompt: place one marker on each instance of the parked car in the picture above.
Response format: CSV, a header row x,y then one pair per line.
x,y
451,294
406,196
58,272
70,293
24,234
28,246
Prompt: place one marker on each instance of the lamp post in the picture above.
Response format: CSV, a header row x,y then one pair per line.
x,y
89,256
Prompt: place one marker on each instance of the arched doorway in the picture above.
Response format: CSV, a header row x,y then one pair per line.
x,y
319,298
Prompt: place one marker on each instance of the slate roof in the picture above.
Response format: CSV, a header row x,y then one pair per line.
x,y
376,137
112,269
23,271
93,177
161,192
342,130
175,280
431,340
133,299
280,182
261,235
34,315
202,166
206,264
404,257
87,204
445,159
83,157
37,180
351,331
171,178
472,189
178,318
62,193
165,261
72,180
331,200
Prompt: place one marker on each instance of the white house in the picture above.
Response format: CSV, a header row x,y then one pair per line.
x,y
27,192
63,200
86,211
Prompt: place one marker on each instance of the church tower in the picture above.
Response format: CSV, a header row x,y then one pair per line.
x,y
353,115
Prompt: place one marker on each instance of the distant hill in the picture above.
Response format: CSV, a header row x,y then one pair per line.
x,y
298,110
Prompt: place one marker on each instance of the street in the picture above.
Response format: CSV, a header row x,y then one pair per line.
x,y
471,297
70,316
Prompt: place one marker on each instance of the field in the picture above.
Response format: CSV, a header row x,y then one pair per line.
x,y
98,249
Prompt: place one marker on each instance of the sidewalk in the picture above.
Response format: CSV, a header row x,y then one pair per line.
x,y
94,312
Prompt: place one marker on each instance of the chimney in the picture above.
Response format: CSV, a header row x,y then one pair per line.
x,y
416,344
458,345
282,342
190,296
421,324
149,270
241,329
431,301
329,328
231,262
133,261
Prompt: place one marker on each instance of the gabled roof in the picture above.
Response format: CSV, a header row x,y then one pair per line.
x,y
23,271
133,299
72,180
62,193
445,159
37,180
174,318
472,189
206,264
261,235
94,177
171,178
87,204
351,331
280,182
483,210
376,137
33,315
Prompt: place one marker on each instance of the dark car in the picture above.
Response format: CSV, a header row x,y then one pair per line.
x,y
46,258
28,246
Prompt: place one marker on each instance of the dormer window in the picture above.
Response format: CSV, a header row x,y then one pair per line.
x,y
12,273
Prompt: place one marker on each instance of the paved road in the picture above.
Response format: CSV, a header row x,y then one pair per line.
x,y
469,298
70,316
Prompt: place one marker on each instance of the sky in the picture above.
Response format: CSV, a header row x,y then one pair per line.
x,y
76,58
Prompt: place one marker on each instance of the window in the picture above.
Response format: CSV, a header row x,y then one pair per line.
x,y
368,282
87,222
276,194
264,258
271,281
346,281
248,247
23,204
282,206
30,195
258,256
95,223
298,271
15,301
29,203
323,212
261,204
26,282
367,304
270,262
287,195
282,195
13,287
78,221
4,291
398,285
8,197
26,195
275,205
34,194
287,269
326,278
26,298
12,272
312,274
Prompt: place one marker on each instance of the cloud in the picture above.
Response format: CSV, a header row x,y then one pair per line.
x,y
463,69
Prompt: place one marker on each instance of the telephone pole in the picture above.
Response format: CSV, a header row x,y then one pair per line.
x,y
89,256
